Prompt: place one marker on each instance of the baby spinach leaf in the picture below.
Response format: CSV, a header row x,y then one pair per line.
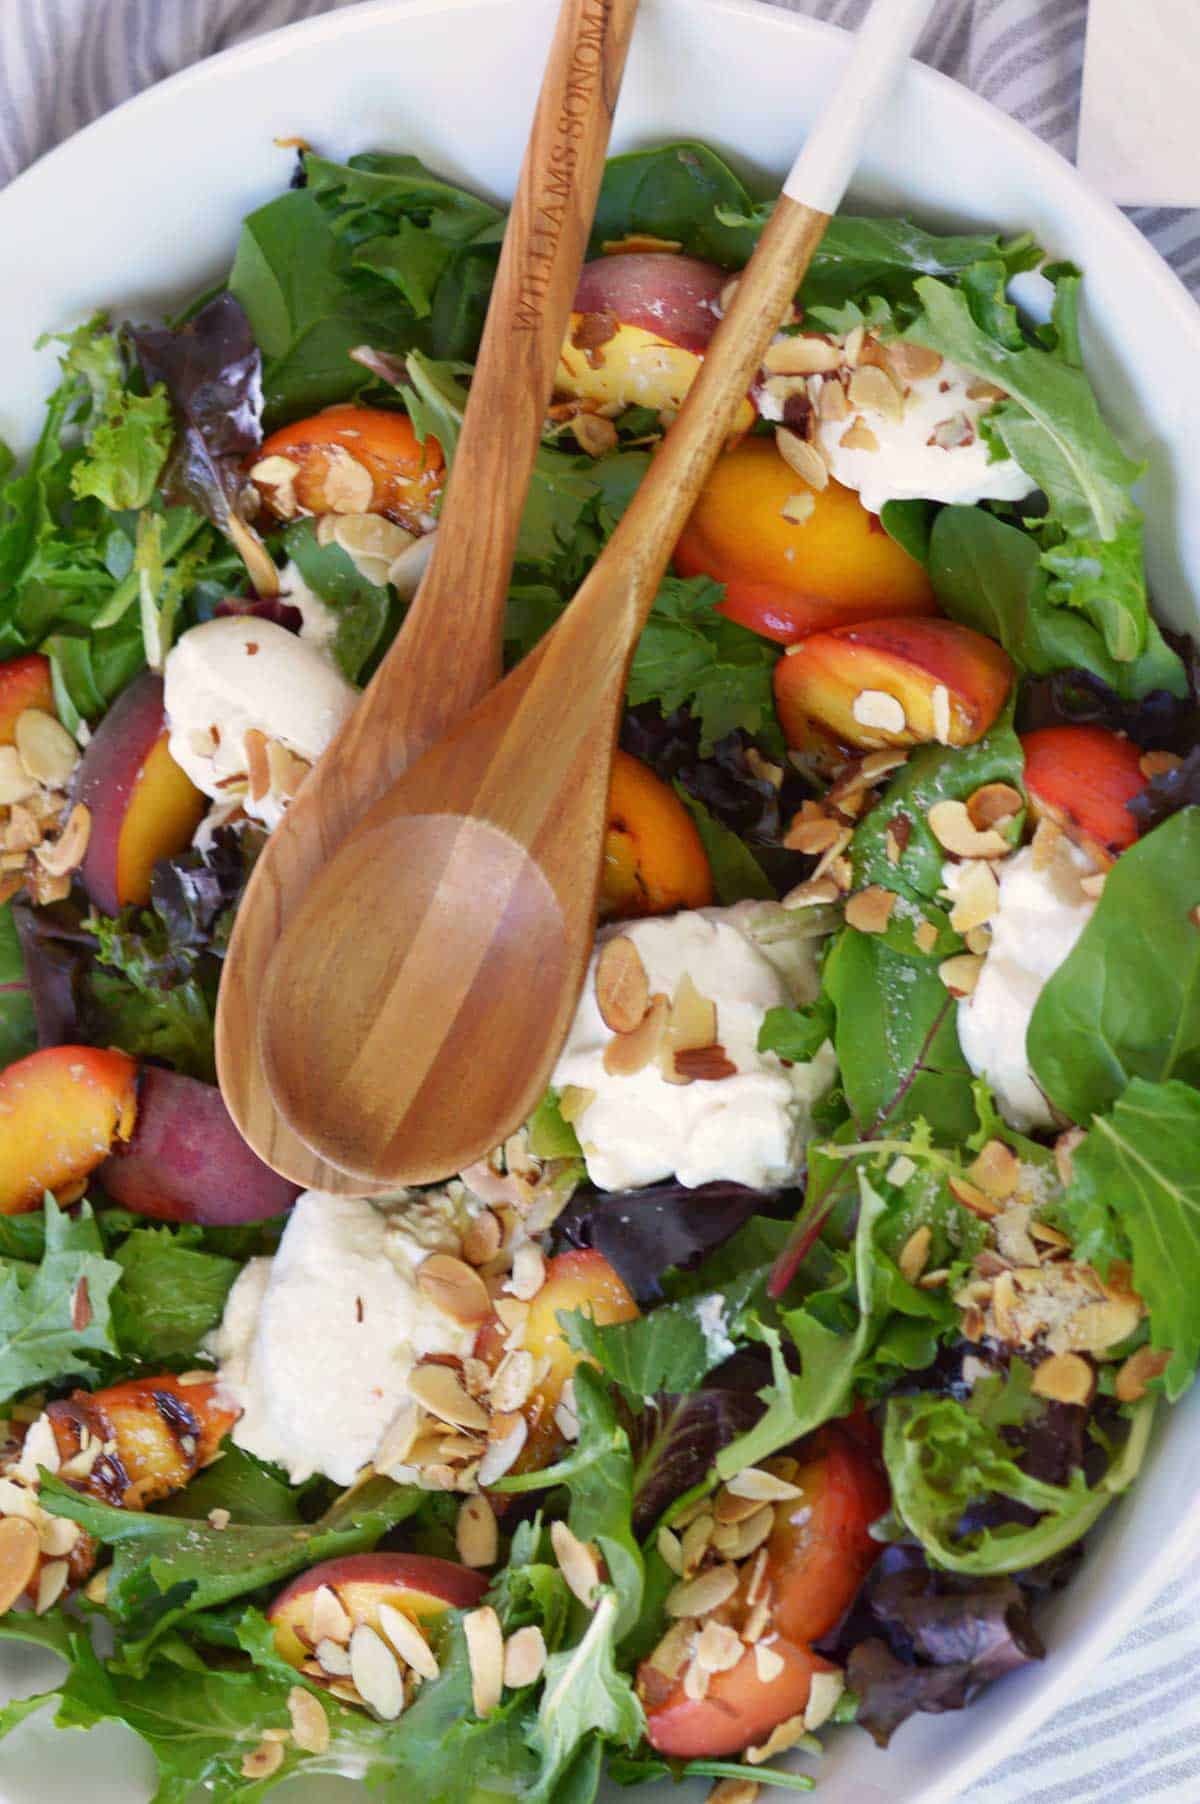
x,y
1135,1191
681,192
1125,1002
366,614
18,1034
169,1295
54,1317
736,873
254,1493
943,1457
991,576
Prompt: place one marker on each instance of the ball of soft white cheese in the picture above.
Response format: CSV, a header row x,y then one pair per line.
x,y
1041,914
750,1128
317,1344
231,675
910,462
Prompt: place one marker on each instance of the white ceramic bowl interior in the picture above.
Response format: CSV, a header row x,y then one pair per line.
x,y
142,209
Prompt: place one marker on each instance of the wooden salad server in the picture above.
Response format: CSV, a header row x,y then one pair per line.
x,y
448,653
418,998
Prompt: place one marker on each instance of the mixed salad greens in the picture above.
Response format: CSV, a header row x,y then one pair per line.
x,y
731,1461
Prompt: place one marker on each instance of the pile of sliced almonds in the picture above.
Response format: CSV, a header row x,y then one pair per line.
x,y
679,1033
824,829
42,838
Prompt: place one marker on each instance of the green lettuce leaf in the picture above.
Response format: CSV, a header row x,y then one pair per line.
x,y
170,1294
1135,1193
54,1316
585,1700
1125,1002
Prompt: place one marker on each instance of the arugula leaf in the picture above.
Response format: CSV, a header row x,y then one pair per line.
x,y
18,1033
736,873
367,616
167,1567
1135,1193
933,773
585,1696
169,1296
54,1315
598,1473
1125,1002
943,1457
992,576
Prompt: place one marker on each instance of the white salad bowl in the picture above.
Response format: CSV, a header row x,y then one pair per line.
x,y
142,209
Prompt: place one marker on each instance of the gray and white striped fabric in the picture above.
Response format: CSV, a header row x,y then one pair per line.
x,y
1134,1733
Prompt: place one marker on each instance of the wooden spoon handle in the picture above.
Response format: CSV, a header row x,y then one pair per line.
x,y
454,630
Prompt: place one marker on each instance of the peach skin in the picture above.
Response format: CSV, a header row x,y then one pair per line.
x,y
1082,779
61,1110
654,859
351,460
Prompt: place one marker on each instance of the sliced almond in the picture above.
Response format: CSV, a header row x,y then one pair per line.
x,y
1098,1326
996,1169
1064,1378
858,436
925,935
709,1064
263,1761
483,1238
974,1199
476,1535
696,1681
348,484
285,770
52,1582
691,1024
46,749
825,1691
801,354
734,1791
66,853
876,708
528,1272
437,1389
1093,885
369,536
310,1725
578,1563
455,1288
785,1735
594,435
993,805
1047,839
673,1651
258,771
976,896
914,1254
333,1659
278,475
627,1054
912,362
814,835
762,1486
718,1647
874,388
802,457
670,1550
703,1594
870,909
57,1536
407,1641
622,987
797,509
960,974
376,1673
513,1381
1138,1371
524,1657
951,826
737,1541
508,1436
833,404
485,1657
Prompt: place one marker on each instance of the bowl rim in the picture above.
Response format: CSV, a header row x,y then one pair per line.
x,y
1063,1673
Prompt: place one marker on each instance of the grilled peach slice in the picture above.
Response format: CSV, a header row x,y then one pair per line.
x,y
186,1161
816,1556
142,806
162,1432
61,1110
654,859
1083,778
893,682
581,1279
24,683
640,327
329,1601
788,573
351,460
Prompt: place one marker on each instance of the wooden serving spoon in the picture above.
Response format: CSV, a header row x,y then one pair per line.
x,y
449,652
418,998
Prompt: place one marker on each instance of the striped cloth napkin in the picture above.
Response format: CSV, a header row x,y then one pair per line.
x,y
1134,1732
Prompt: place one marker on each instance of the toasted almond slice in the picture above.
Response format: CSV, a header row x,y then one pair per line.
x,y
310,1725
870,909
960,974
622,987
528,1272
993,805
914,1254
476,1534
263,1761
483,1238
1138,1371
805,459
513,1381
763,1486
57,1536
46,749
52,1582
455,1288
785,1735
876,708
691,1025
813,835
285,771
1093,885
833,404
578,1562
703,1594
976,897
996,1170
19,1553
65,854
407,1641
627,1054
874,388
767,1662
348,483
1064,1378
696,1681
508,1436
911,362
376,1673
485,1657
974,1199
718,1647
333,1659
951,826
858,436
739,1540
278,474
1098,1326
437,1389
369,536
798,508
801,354
524,1657
824,1692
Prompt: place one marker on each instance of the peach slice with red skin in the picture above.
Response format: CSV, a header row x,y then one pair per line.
x,y
186,1161
893,683
405,475
817,1556
654,859
1083,778
142,805
786,578
61,1110
418,1585
641,324
24,683
579,1279
163,1432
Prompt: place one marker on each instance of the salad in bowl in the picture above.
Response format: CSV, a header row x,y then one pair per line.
x,y
761,1386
